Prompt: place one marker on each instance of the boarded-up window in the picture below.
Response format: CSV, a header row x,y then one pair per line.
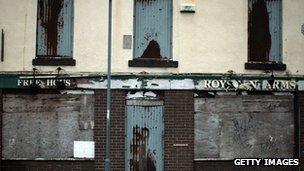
x,y
153,29
228,127
265,30
45,125
55,28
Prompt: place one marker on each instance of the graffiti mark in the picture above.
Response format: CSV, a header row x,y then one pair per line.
x,y
142,158
152,51
269,146
259,34
242,132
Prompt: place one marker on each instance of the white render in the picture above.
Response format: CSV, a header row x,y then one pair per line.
x,y
211,40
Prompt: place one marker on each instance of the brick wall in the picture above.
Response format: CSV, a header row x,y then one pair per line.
x,y
179,130
117,129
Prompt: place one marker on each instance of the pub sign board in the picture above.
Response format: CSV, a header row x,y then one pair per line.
x,y
46,83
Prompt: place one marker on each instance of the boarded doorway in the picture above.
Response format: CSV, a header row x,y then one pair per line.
x,y
144,135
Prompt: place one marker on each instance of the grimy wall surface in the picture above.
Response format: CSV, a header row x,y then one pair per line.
x,y
230,126
211,40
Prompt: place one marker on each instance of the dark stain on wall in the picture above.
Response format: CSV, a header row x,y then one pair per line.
x,y
51,21
152,51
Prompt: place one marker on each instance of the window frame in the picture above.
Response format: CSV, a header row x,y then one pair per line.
x,y
55,60
149,62
265,65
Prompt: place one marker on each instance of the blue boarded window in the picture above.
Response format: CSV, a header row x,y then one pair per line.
x,y
153,29
153,34
265,30
55,28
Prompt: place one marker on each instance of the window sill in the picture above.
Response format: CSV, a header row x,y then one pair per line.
x,y
265,66
153,63
44,61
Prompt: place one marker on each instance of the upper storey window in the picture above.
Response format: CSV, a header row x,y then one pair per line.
x,y
153,34
54,33
265,35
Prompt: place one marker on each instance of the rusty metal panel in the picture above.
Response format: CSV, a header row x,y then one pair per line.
x,y
55,28
265,29
153,29
46,125
229,126
144,136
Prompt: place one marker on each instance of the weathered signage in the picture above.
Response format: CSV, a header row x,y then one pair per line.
x,y
45,82
249,85
215,83
196,84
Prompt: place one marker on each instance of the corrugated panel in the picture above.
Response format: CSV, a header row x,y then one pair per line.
x,y
153,29
144,138
55,28
274,9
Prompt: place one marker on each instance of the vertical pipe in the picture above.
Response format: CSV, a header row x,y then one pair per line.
x,y
107,159
2,45
297,124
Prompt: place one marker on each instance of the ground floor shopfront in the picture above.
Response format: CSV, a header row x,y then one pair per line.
x,y
179,123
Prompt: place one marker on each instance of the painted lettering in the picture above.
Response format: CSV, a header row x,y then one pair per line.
x,y
293,84
215,84
254,84
223,83
20,82
285,85
276,85
208,84
68,83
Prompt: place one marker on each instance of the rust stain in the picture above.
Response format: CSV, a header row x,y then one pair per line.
x,y
259,34
51,22
152,51
142,158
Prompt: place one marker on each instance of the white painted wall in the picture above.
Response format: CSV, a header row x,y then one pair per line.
x,y
212,40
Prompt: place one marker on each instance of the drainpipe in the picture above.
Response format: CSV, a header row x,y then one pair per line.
x,y
297,123
107,159
2,45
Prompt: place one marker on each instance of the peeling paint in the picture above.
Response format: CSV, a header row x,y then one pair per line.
x,y
196,84
182,84
141,94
